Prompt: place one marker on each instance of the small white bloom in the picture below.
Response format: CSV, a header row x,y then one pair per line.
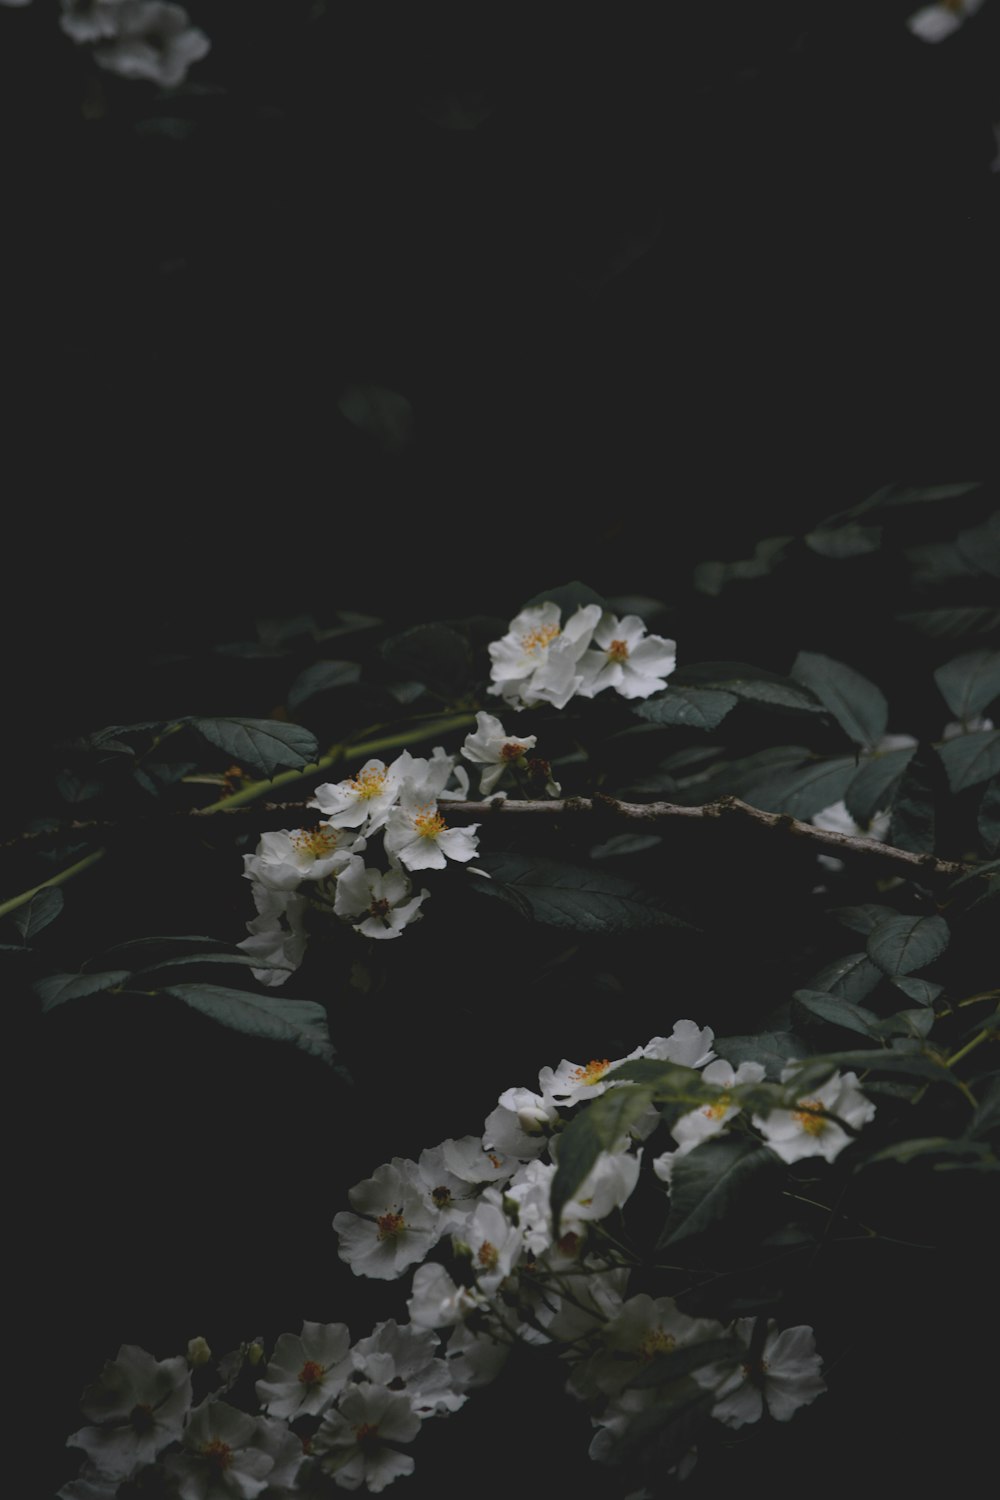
x,y
571,1082
89,20
379,905
364,800
449,1199
403,1358
688,1045
282,860
495,750
353,1443
537,660
642,1329
277,934
494,1242
138,1406
625,658
784,1378
711,1119
470,1160
435,1300
428,780
153,40
418,837
807,1130
390,1229
933,23
475,1359
222,1456
521,1124
836,819
307,1372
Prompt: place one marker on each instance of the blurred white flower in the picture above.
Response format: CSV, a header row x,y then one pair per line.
x,y
933,23
90,20
138,1406
153,40
277,934
354,1442
285,858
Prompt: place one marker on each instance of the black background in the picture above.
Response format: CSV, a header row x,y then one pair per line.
x,y
185,301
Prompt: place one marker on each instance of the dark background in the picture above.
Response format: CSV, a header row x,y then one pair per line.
x,y
191,281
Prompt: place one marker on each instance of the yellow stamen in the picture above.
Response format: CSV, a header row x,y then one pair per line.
x,y
809,1116
657,1341
390,1225
511,750
218,1453
311,1373
315,841
488,1256
541,636
369,783
618,651
716,1110
429,824
593,1071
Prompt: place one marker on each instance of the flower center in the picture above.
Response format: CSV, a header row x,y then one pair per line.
x,y
539,638
311,1373
488,1256
390,1225
379,907
141,1417
809,1116
366,1434
218,1453
618,651
429,824
511,751
593,1071
315,841
656,1341
569,1244
718,1108
368,784
441,1196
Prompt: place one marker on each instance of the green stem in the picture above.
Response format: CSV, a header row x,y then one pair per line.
x,y
60,879
400,740
981,1036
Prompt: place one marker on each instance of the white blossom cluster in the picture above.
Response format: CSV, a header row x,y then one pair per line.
x,y
149,39
543,659
492,1269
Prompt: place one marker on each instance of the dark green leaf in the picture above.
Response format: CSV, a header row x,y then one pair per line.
x,y
836,1010
384,415
917,1064
852,977
167,944
989,817
670,1081
712,577
435,655
666,1367
805,791
911,1023
264,746
863,918
858,706
73,788
904,1151
954,622
920,494
872,788
693,708
598,1127
902,944
738,777
713,1182
37,913
321,677
625,843
971,758
565,895
987,1116
752,684
56,989
772,1049
980,545
921,990
852,540
186,960
300,1022
915,805
970,682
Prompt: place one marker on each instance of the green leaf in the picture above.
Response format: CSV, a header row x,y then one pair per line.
x,y
752,684
912,1150
263,746
805,791
300,1022
918,1063
915,804
246,960
859,707
852,977
970,682
713,1182
435,655
852,540
670,1081
980,545
692,708
911,1023
953,622
872,788
625,843
989,817
663,1368
565,895
837,1011
971,758
902,944
772,1049
598,1127
56,989
922,990
384,415
863,918
321,677
920,494
987,1116
73,788
37,913
712,577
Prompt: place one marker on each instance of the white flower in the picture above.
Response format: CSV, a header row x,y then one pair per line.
x,y
152,40
571,1082
222,1455
419,838
475,1359
836,819
495,750
307,1372
353,1444
472,1162
282,860
521,1124
363,800
708,1119
277,934
785,1377
89,20
639,1331
625,658
494,1243
807,1130
403,1358
379,905
138,1406
427,780
537,660
933,23
688,1045
436,1301
390,1228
